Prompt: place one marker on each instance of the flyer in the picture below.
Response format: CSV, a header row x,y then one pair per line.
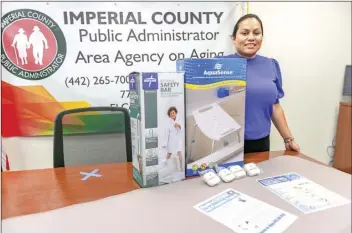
x,y
244,214
304,194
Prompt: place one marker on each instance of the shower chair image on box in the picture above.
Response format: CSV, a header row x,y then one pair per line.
x,y
215,124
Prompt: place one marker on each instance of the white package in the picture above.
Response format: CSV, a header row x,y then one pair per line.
x,y
225,174
252,169
210,177
238,171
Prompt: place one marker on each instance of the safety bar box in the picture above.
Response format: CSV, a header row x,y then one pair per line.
x,y
157,127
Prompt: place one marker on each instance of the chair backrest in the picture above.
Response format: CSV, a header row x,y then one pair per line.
x,y
92,135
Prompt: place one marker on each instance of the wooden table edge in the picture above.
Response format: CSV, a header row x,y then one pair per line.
x,y
252,157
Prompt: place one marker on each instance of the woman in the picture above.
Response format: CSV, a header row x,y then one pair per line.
x,y
173,142
264,88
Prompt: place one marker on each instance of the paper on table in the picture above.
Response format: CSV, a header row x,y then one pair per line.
x,y
303,193
244,214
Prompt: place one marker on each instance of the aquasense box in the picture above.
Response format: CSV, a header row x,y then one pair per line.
x,y
215,92
157,127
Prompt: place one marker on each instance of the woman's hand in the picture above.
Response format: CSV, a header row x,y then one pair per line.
x,y
292,146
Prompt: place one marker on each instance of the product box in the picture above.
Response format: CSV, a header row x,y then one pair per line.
x,y
215,91
157,127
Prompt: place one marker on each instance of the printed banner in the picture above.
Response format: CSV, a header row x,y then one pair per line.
x,y
63,55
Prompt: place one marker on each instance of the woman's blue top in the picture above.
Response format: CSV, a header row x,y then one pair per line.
x,y
263,90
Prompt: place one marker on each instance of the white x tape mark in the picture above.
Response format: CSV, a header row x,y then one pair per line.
x,y
90,174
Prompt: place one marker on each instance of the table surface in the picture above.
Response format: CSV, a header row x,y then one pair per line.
x,y
33,191
170,206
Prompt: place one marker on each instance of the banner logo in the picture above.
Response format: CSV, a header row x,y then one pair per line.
x,y
33,45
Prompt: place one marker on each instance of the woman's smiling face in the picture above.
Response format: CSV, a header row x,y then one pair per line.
x,y
248,38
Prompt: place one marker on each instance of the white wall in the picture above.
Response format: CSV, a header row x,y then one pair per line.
x,y
312,42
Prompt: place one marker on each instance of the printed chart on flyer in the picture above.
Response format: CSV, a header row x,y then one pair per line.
x,y
244,214
304,194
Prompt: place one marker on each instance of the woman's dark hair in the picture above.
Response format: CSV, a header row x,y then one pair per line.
x,y
247,16
170,110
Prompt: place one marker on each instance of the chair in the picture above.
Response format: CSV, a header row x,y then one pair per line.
x,y
104,129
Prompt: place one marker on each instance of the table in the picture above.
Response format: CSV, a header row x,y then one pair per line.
x,y
33,191
170,207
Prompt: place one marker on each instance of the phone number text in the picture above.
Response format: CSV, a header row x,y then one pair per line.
x,y
86,81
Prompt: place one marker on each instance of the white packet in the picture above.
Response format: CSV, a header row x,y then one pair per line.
x,y
252,169
210,177
225,174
